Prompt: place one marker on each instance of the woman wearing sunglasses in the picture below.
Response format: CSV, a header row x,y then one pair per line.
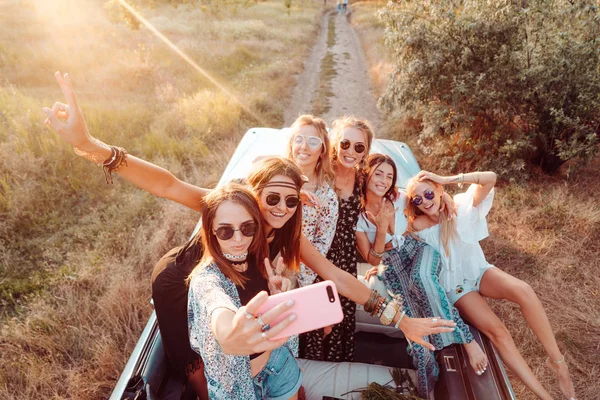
x,y
275,178
226,289
467,277
351,140
309,149
409,268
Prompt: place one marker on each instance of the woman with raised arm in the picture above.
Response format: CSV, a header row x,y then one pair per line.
x,y
408,268
276,184
309,149
467,277
226,289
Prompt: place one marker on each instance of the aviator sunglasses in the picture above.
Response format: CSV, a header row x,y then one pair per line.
x,y
314,142
418,200
359,147
291,201
226,232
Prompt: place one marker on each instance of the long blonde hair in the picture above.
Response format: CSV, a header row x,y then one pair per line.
x,y
323,169
447,227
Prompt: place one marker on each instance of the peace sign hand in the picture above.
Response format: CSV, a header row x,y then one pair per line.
x,y
67,119
277,282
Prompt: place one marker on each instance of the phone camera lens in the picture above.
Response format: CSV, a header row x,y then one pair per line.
x,y
330,294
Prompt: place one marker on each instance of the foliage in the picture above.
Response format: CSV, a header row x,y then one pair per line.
x,y
497,84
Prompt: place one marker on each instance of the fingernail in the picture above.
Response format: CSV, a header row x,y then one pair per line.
x,y
292,317
289,303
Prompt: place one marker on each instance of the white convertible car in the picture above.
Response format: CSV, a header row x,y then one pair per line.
x,y
378,348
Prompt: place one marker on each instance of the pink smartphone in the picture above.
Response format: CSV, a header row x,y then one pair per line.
x,y
316,306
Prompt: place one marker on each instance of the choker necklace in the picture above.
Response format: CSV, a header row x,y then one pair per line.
x,y
239,259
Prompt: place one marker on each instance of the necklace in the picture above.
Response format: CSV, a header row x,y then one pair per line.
x,y
234,258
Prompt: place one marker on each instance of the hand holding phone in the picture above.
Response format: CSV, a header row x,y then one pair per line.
x,y
316,306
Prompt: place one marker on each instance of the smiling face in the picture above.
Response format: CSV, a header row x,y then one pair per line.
x,y
349,158
304,152
429,206
233,215
381,180
278,214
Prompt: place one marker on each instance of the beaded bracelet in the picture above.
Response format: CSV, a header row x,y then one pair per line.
x,y
400,319
389,313
376,254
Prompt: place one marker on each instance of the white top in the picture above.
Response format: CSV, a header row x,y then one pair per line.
x,y
366,226
466,258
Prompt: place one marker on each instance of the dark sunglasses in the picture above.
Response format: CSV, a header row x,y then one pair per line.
x,y
418,200
226,232
359,147
291,201
314,142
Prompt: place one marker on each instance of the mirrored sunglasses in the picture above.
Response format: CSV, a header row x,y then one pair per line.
x,y
291,201
418,200
314,142
226,232
359,147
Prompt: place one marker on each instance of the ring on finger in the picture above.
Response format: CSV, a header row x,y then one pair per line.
x,y
264,335
265,327
248,315
261,322
434,320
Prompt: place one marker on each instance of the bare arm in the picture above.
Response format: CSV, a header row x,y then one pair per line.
x,y
485,182
349,286
68,121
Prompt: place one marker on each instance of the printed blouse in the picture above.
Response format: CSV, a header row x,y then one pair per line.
x,y
466,257
318,226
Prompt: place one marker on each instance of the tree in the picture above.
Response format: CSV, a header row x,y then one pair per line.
x,y
497,84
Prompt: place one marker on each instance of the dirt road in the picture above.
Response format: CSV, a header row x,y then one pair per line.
x,y
349,90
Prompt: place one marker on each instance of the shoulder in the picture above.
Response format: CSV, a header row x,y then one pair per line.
x,y
420,223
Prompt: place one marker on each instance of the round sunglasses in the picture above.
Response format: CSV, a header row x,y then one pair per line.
x,y
359,147
418,200
226,232
291,201
314,142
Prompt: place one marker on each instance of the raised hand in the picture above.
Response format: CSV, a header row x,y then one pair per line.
x,y
386,216
277,282
426,175
67,119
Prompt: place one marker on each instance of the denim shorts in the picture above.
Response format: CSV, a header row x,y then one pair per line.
x,y
468,286
280,378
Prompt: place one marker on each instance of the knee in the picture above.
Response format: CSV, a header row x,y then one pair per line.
x,y
498,334
522,293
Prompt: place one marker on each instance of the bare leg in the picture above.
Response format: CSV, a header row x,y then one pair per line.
x,y
473,308
497,284
198,382
477,357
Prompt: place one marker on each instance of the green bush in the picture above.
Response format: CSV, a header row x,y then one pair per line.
x,y
497,84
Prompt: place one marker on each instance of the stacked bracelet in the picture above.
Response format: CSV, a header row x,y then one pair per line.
x,y
389,313
375,254
372,302
114,162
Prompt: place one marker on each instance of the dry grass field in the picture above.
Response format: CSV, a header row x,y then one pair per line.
x,y
545,231
75,253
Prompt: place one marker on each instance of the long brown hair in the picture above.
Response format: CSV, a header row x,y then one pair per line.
x,y
323,169
373,162
337,129
447,227
258,249
287,238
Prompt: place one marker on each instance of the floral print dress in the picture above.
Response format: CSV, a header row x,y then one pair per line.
x,y
338,346
318,226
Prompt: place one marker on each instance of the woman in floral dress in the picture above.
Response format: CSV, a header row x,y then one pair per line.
x,y
351,141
